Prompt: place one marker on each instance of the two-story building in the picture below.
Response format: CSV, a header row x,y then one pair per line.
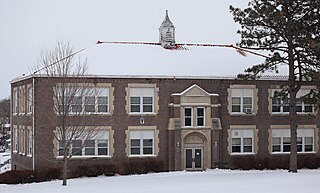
x,y
187,123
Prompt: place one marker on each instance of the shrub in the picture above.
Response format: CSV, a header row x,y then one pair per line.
x,y
144,165
242,162
17,177
47,174
273,162
95,170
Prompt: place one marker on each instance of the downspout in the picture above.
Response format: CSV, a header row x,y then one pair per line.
x,y
33,114
11,125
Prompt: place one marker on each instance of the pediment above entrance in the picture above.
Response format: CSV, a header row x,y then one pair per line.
x,y
193,91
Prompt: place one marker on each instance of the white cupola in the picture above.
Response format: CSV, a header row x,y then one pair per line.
x,y
167,33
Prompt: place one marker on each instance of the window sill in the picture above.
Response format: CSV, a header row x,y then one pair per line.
x,y
86,114
243,114
235,154
84,157
279,153
142,114
96,113
287,153
141,156
298,113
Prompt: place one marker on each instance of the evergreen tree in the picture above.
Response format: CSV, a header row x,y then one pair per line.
x,y
289,31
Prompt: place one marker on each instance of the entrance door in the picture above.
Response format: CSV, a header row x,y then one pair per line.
x,y
193,159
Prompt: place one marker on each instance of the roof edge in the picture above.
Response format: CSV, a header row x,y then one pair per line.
x,y
25,77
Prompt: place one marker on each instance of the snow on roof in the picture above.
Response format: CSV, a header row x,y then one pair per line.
x,y
233,77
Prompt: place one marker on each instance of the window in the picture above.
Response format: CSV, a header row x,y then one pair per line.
x,y
60,149
15,139
30,141
89,147
242,101
281,141
103,147
282,105
279,105
188,116
194,116
21,140
141,100
15,101
89,104
98,146
200,116
242,141
141,142
76,147
95,101
302,106
29,99
76,104
21,100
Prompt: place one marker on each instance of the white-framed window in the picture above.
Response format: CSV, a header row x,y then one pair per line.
x,y
200,116
141,142
141,100
188,117
21,100
305,140
194,116
30,140
95,102
242,141
22,140
15,102
15,142
29,100
281,140
242,101
98,146
76,104
282,105
99,103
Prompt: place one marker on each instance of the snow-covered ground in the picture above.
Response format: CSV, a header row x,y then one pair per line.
x,y
211,181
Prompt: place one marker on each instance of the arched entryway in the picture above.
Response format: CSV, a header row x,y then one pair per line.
x,y
194,148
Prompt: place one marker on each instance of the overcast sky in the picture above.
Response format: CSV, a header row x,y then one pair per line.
x,y
29,26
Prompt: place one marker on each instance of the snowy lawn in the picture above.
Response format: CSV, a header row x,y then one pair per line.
x,y
211,181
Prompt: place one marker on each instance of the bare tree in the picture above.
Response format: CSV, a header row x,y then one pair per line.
x,y
64,71
4,119
4,111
